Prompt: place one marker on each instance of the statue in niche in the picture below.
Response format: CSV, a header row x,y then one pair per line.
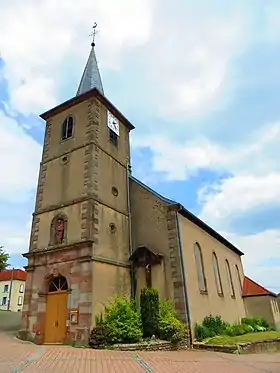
x,y
148,273
59,231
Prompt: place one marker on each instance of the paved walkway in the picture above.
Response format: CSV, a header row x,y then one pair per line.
x,y
17,357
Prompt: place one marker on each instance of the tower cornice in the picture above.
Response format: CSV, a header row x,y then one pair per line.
x,y
85,96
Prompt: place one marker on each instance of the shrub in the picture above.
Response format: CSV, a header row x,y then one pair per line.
x,y
123,322
149,304
236,329
169,327
120,324
261,321
214,324
257,323
99,336
202,332
248,328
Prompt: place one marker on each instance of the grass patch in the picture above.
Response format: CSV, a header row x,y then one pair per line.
x,y
249,337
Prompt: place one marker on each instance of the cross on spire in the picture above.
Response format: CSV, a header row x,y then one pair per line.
x,y
93,34
91,76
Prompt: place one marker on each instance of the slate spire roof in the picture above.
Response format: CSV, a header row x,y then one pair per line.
x,y
91,77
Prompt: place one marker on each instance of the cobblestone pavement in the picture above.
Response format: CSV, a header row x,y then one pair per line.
x,y
17,357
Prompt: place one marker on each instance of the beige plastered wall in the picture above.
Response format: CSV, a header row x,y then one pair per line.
x,y
201,305
149,228
263,306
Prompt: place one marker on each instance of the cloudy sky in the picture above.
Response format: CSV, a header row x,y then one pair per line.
x,y
199,79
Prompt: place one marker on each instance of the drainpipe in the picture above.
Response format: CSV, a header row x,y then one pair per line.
x,y
10,291
132,276
184,280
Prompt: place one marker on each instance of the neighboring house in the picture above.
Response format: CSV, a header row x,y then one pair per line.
x,y
12,287
259,301
97,231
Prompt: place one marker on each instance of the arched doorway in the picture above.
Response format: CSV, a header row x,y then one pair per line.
x,y
56,310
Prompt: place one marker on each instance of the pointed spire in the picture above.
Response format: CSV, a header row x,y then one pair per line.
x,y
91,77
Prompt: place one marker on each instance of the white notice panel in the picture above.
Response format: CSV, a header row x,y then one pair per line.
x,y
113,123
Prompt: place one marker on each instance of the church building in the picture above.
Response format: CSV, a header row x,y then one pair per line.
x,y
97,231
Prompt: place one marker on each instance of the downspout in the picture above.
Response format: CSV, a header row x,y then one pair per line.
x,y
184,280
132,276
10,291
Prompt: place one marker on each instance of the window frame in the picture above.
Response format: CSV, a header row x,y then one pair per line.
x,y
58,284
20,297
6,301
113,137
64,128
6,287
21,288
200,270
275,306
239,279
230,280
217,275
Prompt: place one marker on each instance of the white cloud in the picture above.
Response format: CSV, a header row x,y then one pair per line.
x,y
258,248
235,195
254,181
179,160
186,54
189,58
19,164
14,235
19,161
42,37
233,198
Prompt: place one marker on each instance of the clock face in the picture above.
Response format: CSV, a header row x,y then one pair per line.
x,y
113,123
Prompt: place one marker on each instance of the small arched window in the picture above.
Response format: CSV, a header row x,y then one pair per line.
x,y
58,283
239,278
217,275
230,282
67,128
200,268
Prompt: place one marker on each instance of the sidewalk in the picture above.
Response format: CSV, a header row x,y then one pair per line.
x,y
17,356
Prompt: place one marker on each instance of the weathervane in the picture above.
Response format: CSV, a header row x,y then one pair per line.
x,y
93,34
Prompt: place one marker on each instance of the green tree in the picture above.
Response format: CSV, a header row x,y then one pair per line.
x,y
4,257
149,302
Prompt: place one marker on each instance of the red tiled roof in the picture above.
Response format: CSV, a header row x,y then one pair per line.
x,y
250,288
16,274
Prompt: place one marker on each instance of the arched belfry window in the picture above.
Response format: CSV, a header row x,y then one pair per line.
x,y
200,268
217,274
58,283
67,128
58,233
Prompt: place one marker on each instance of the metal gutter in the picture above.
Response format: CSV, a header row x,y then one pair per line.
x,y
132,275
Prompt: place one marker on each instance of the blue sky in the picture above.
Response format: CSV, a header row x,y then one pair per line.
x,y
201,84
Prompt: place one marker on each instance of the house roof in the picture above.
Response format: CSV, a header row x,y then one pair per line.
x,y
251,288
194,219
85,96
15,274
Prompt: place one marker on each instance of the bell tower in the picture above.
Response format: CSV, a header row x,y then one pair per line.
x,y
80,231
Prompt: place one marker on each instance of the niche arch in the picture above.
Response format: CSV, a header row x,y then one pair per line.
x,y
58,230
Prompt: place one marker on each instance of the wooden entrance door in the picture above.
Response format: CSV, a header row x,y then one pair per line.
x,y
56,313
